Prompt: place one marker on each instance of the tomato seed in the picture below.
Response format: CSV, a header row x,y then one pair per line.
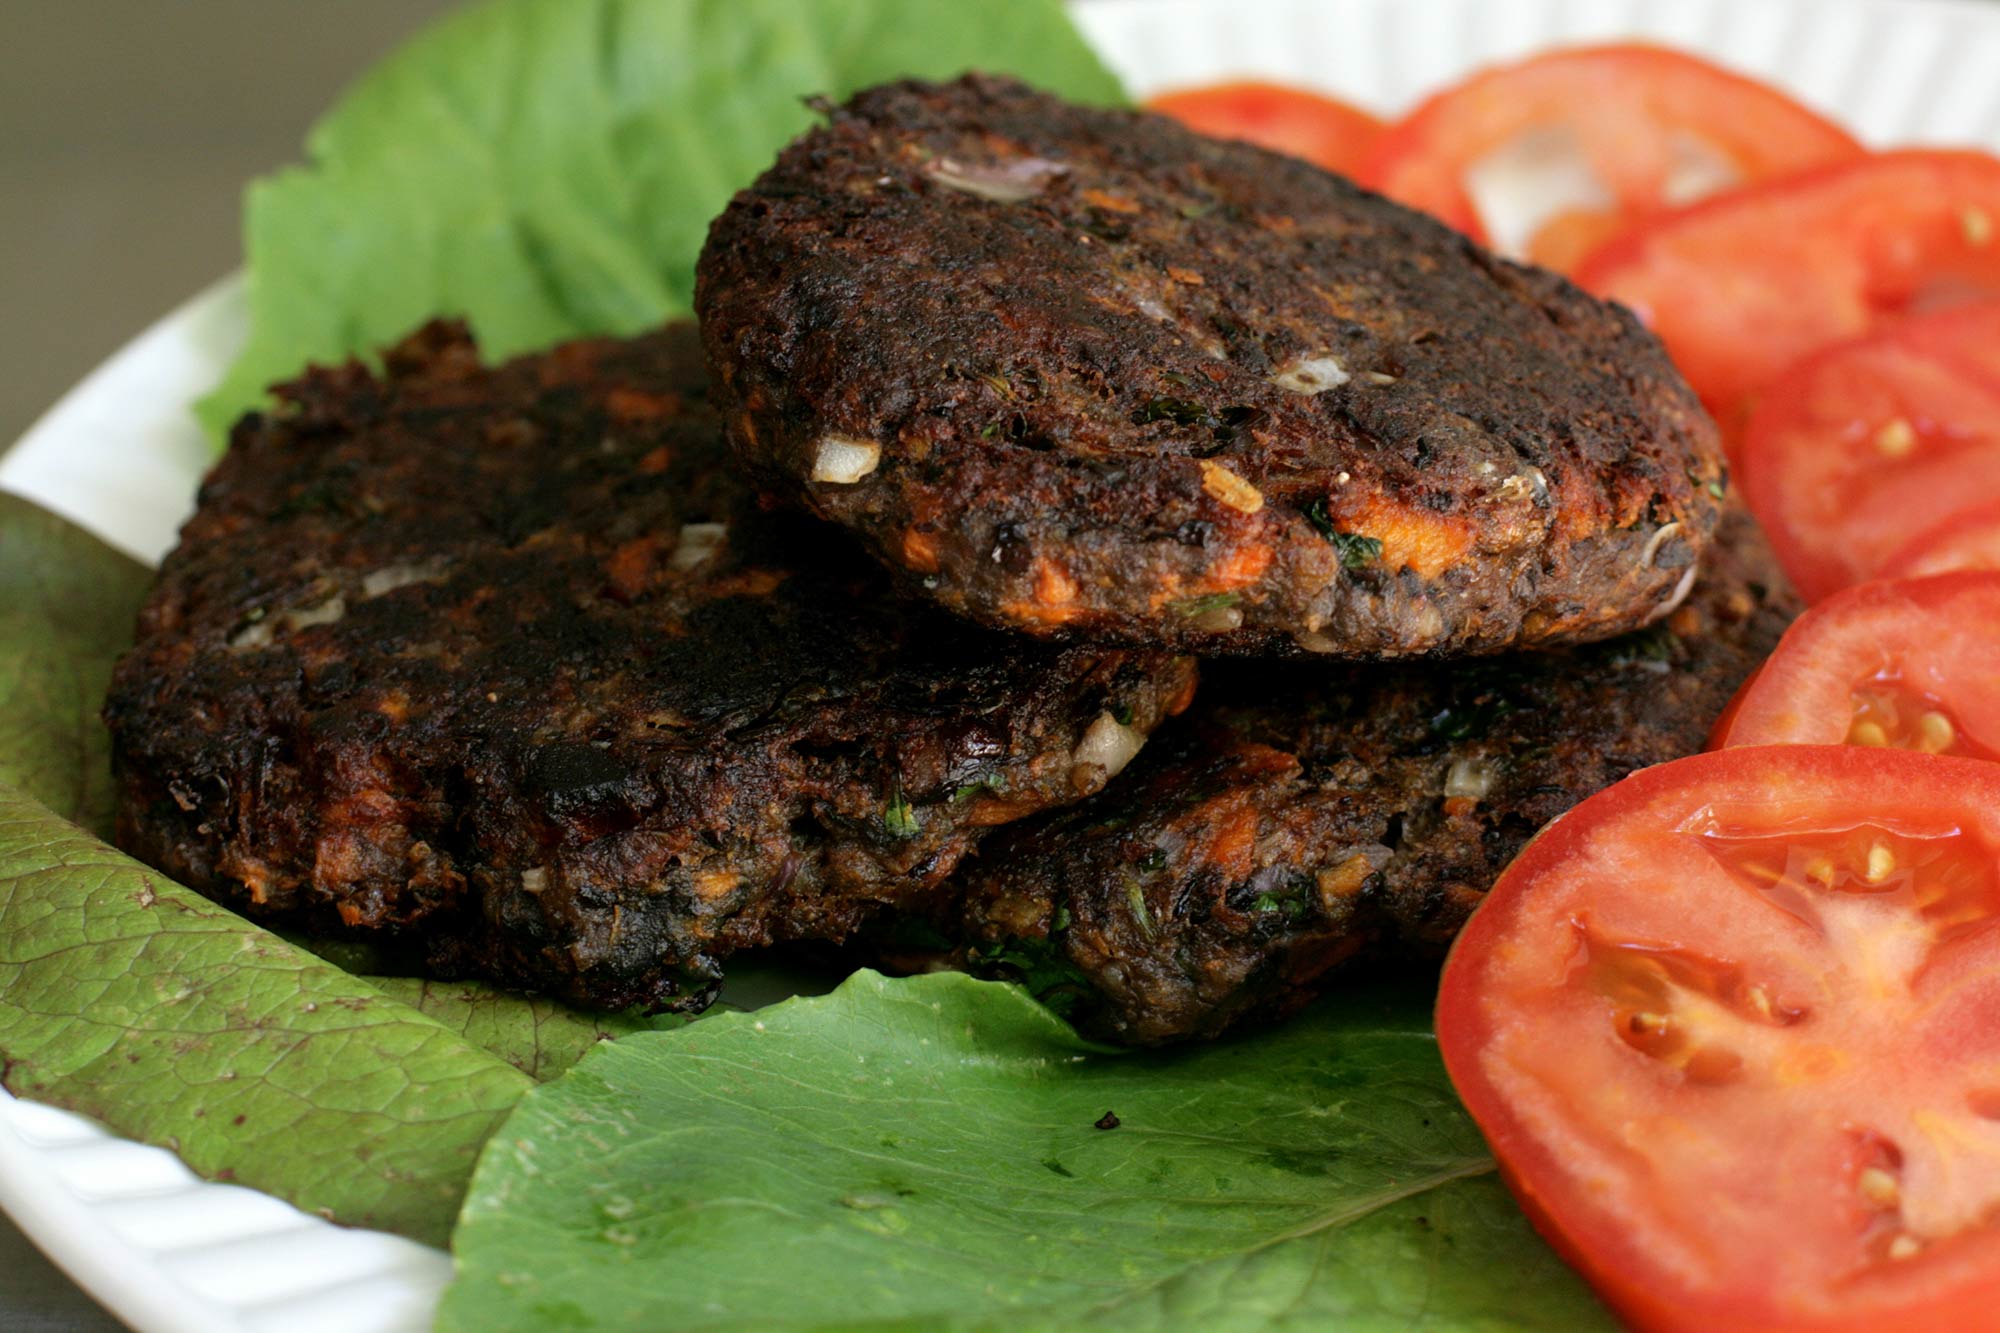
x,y
1867,733
1879,1187
1897,439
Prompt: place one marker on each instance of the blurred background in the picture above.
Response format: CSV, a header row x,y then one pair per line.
x,y
127,130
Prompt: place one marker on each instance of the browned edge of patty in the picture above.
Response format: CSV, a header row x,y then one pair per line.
x,y
1080,369
1297,820
507,661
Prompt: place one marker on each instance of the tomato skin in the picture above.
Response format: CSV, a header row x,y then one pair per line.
x,y
1935,636
1612,1238
1727,718
1323,131
1567,239
1866,443
1969,539
1743,284
1625,104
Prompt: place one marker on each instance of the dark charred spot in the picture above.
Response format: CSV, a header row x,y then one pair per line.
x,y
1011,549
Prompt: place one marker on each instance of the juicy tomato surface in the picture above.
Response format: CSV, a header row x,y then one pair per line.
x,y
1742,285
1732,1028
1869,444
1969,539
1908,663
1656,129
1323,131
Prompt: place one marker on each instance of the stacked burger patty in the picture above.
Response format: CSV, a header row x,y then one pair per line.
x,y
870,615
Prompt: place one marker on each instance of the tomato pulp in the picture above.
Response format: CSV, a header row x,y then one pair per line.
x,y
1732,1028
1868,444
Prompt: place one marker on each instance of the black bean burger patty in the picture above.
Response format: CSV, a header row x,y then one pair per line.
x,y
1296,820
506,660
1084,373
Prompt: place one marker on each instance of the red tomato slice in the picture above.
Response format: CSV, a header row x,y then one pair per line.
x,y
1732,1028
1746,283
1657,128
1565,240
1969,539
1865,445
1324,132
1912,663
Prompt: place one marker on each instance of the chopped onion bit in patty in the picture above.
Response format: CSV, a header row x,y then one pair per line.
x,y
844,460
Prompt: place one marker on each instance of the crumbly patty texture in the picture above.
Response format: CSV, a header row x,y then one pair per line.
x,y
505,660
1297,820
1083,373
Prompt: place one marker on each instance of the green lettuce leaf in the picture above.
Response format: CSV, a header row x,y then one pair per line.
x,y
67,605
934,1152
548,168
127,998
539,1037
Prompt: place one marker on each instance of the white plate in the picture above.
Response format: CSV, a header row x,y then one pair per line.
x,y
119,455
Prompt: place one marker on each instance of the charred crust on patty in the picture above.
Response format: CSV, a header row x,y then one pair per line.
x,y
508,661
1084,374
1298,820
